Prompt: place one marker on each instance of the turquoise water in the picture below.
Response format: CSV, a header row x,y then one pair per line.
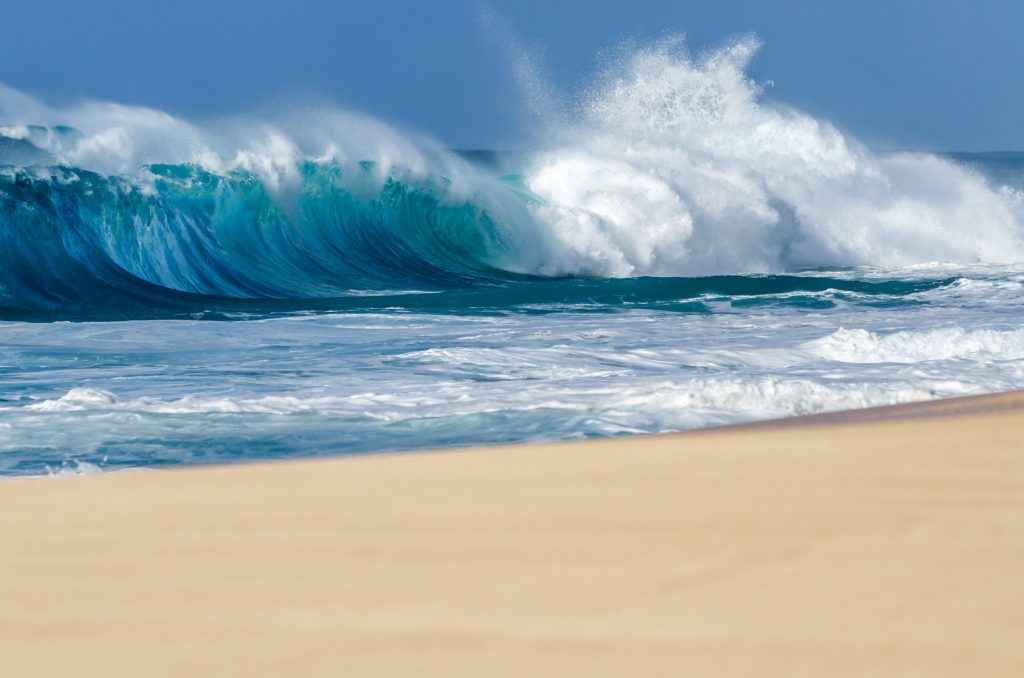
x,y
177,293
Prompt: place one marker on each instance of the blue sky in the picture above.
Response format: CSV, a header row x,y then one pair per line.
x,y
930,74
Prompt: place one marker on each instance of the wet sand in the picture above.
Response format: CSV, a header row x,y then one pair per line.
x,y
883,542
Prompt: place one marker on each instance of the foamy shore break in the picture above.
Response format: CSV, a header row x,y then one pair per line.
x,y
882,542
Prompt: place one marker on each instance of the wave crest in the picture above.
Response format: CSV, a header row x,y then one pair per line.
x,y
674,166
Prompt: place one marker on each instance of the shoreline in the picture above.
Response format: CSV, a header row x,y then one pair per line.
x,y
958,406
955,406
886,541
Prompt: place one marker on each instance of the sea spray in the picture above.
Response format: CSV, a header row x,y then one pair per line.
x,y
679,166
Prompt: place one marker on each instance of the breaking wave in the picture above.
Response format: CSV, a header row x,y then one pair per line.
x,y
671,165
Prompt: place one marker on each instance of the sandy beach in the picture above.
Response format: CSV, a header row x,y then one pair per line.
x,y
885,543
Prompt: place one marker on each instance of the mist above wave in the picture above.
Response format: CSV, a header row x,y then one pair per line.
x,y
679,163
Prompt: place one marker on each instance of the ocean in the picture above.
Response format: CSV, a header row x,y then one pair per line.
x,y
677,251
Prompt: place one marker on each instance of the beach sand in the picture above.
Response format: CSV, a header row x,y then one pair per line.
x,y
885,543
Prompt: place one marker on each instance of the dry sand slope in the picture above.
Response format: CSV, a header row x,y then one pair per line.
x,y
887,544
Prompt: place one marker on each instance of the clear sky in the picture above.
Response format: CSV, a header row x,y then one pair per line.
x,y
930,74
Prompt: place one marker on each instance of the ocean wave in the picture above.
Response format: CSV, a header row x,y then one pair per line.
x,y
672,166
72,234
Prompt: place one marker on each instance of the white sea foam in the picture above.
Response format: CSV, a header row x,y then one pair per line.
x,y
95,400
721,399
75,467
76,399
863,346
679,165
672,401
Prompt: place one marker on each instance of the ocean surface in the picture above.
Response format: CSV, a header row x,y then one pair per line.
x,y
677,251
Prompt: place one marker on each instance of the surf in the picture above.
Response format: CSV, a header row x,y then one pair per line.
x,y
667,165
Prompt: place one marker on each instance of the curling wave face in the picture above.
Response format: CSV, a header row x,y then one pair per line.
x,y
76,237
673,166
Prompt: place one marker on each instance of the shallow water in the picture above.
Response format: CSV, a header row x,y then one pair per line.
x,y
89,395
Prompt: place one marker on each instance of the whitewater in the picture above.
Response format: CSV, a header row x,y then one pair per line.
x,y
674,250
